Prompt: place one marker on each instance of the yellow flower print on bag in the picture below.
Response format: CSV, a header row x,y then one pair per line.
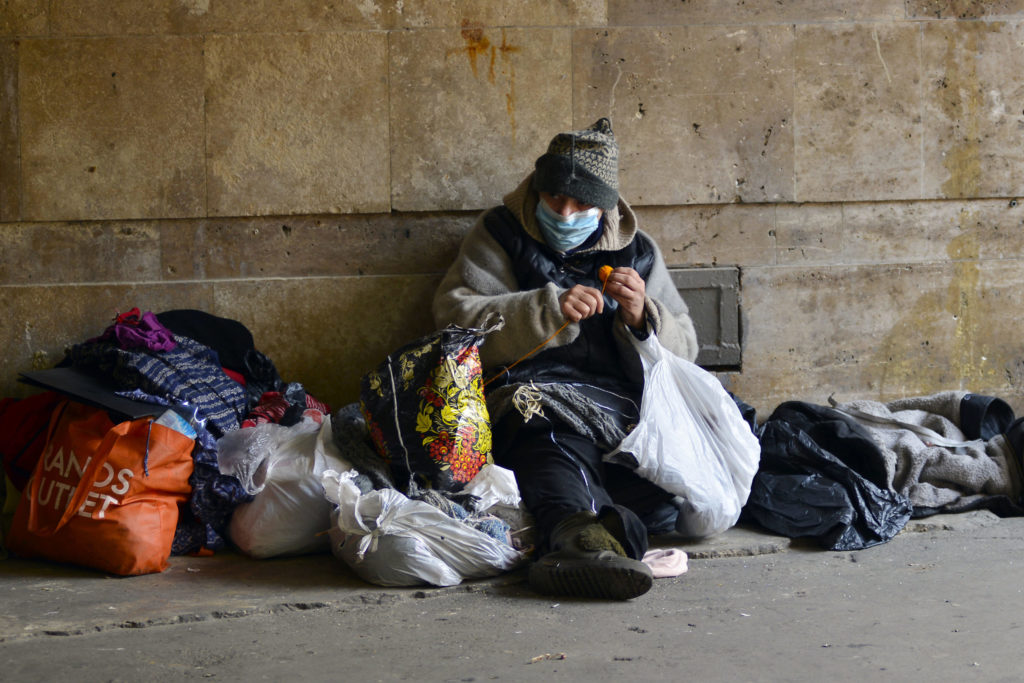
x,y
426,412
451,435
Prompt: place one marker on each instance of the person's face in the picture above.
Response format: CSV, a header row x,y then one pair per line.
x,y
564,205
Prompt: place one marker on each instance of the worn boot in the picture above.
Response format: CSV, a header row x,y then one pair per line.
x,y
587,561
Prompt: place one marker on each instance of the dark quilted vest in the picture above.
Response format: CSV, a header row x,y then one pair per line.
x,y
592,358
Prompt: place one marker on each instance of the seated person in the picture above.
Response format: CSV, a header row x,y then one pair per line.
x,y
536,260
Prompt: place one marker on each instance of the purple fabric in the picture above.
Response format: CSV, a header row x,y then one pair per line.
x,y
132,331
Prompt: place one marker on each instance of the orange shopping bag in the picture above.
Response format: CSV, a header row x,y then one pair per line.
x,y
103,495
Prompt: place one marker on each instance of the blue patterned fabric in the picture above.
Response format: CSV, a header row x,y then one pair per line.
x,y
189,375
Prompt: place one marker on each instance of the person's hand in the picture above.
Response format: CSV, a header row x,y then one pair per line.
x,y
625,286
581,302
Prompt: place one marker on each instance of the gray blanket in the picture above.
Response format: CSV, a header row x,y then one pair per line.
x,y
930,460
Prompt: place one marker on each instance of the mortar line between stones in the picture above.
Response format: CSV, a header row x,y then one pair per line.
x,y
388,114
793,115
17,122
920,113
206,150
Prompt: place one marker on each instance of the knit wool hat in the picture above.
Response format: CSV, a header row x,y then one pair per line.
x,y
582,164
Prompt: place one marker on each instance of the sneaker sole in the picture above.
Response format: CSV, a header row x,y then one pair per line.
x,y
589,579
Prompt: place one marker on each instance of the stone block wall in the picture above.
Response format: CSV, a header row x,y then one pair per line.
x,y
309,168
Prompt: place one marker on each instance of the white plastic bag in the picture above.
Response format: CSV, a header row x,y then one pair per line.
x,y
497,494
691,440
288,514
494,486
391,540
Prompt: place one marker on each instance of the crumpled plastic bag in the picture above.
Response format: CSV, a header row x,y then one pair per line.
x,y
691,440
391,540
496,493
823,476
281,466
494,486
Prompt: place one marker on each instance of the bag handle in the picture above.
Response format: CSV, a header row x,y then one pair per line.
x,y
98,459
32,490
649,348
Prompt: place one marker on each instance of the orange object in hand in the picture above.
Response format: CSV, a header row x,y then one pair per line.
x,y
603,272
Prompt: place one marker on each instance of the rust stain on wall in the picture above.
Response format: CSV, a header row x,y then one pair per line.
x,y
506,50
478,46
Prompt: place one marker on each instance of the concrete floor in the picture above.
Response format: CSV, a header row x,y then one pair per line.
x,y
943,601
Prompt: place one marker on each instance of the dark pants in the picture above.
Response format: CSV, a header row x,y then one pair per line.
x,y
560,473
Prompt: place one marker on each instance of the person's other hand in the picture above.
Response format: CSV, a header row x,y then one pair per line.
x,y
581,302
625,286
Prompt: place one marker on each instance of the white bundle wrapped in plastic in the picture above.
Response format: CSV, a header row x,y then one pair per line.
x,y
282,467
391,540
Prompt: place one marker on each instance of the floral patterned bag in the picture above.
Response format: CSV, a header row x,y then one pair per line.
x,y
425,409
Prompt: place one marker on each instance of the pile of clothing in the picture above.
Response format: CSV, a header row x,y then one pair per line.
x,y
851,475
262,446
210,367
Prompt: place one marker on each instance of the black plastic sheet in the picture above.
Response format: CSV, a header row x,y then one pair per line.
x,y
822,476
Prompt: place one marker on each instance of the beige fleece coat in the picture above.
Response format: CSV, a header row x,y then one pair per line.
x,y
481,282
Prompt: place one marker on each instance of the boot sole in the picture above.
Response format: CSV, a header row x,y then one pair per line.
x,y
617,579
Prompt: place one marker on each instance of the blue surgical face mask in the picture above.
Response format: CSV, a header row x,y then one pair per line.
x,y
566,232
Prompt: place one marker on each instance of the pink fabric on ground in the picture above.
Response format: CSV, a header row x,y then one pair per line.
x,y
666,562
